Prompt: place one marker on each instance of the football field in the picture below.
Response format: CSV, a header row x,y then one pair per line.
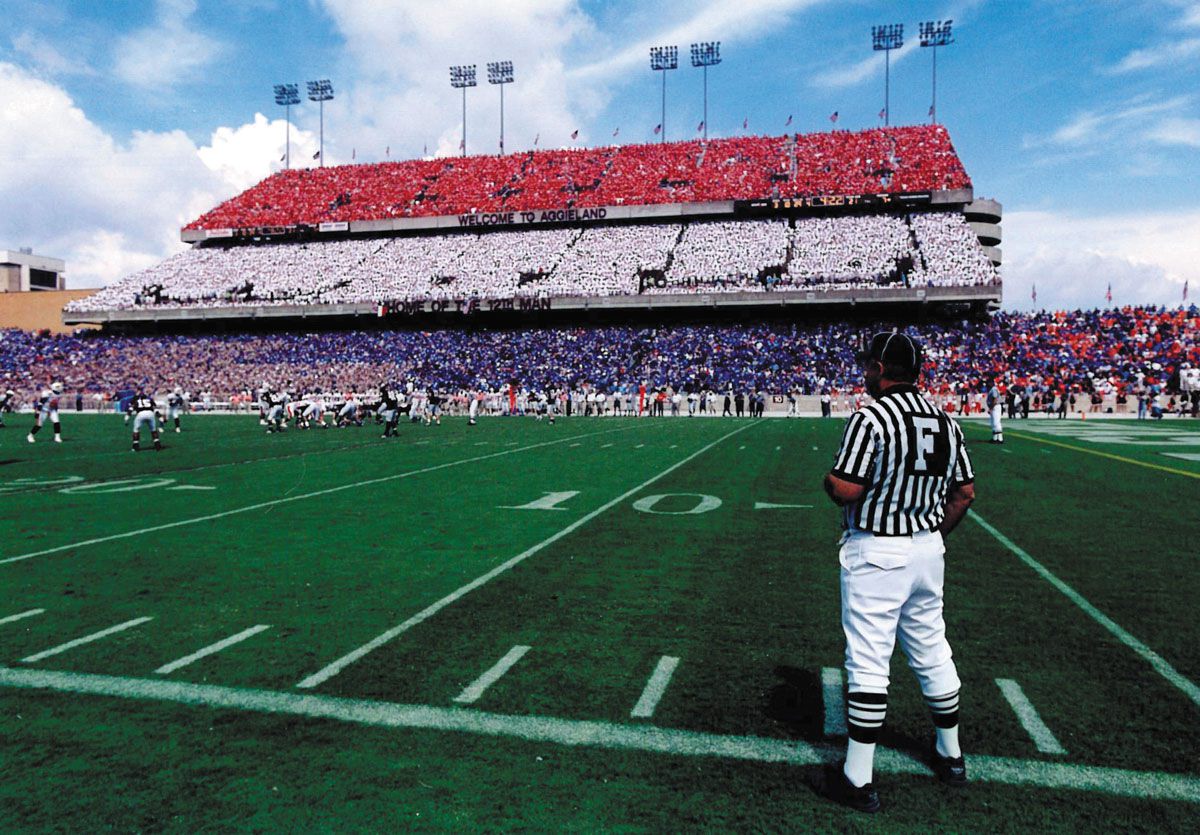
x,y
597,625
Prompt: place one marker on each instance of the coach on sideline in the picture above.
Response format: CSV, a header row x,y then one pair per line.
x,y
903,479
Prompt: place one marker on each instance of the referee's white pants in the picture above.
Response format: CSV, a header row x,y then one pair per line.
x,y
995,416
892,587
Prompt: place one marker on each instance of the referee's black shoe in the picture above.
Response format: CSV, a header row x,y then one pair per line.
x,y
833,784
950,770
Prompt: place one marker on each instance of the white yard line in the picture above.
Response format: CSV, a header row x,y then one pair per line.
x,y
21,615
86,639
1043,738
212,649
1160,664
774,506
475,689
337,666
1148,785
655,687
835,701
296,498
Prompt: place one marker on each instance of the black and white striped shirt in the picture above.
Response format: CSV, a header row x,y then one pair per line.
x,y
908,454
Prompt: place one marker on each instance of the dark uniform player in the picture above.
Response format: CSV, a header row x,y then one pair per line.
x,y
142,410
903,480
388,410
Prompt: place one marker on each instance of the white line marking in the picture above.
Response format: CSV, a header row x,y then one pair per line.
x,y
337,666
1186,456
1150,785
86,639
1027,714
575,445
773,506
673,446
1156,661
835,701
21,615
605,446
476,688
743,446
778,448
546,502
639,446
191,487
296,498
655,687
212,649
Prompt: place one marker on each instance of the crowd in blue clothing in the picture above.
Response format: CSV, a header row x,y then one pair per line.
x,y
1117,346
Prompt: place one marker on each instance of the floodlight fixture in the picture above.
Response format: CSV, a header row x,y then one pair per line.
x,y
286,95
884,39
704,55
501,73
462,76
935,34
321,92
663,58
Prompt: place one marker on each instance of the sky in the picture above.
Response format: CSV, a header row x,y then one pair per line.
x,y
122,121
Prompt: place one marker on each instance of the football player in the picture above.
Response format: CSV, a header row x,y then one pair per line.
x,y
47,407
175,406
6,404
141,408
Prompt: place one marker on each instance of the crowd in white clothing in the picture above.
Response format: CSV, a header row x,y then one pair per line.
x,y
700,256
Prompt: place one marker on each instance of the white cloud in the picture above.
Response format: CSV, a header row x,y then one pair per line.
x,y
1168,54
45,57
1138,120
110,207
727,19
1072,259
168,52
849,75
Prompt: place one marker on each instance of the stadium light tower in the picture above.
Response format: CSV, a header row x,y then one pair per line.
x,y
706,54
663,58
886,38
463,77
935,34
499,72
287,95
321,91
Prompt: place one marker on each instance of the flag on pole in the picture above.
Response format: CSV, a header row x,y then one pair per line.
x,y
424,149
1035,294
282,158
1108,295
387,152
931,110
616,131
354,153
317,155
536,137
658,129
833,117
575,133
462,144
745,123
1185,284
700,127
883,113
789,120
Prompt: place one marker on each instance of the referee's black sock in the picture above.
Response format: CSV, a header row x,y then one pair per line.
x,y
944,710
865,713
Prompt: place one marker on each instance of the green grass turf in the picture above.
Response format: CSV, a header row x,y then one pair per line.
x,y
747,599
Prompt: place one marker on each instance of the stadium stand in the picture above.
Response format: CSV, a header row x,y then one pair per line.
x,y
1108,350
895,160
871,251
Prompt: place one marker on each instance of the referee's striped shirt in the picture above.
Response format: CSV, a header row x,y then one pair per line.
x,y
908,453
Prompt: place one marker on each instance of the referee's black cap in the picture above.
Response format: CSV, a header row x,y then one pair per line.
x,y
894,349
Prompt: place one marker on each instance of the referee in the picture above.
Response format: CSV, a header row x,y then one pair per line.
x,y
903,479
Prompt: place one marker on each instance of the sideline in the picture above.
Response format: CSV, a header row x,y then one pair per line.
x,y
1146,785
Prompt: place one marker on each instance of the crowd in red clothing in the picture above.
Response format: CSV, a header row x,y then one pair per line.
x,y
902,159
